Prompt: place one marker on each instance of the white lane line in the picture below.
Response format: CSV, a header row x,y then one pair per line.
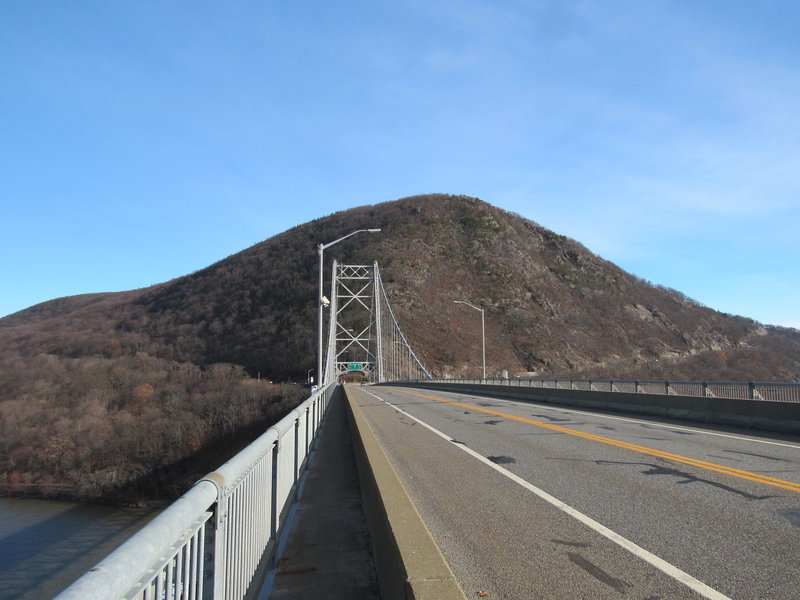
x,y
659,563
638,421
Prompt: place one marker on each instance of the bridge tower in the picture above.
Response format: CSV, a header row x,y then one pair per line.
x,y
363,334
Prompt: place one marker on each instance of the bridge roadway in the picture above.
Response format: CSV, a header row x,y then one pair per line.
x,y
535,501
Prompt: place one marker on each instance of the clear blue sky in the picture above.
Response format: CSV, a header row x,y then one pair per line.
x,y
143,140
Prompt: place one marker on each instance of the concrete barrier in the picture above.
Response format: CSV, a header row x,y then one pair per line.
x,y
781,417
409,564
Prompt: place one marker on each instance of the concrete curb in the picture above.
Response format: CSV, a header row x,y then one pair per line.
x,y
410,565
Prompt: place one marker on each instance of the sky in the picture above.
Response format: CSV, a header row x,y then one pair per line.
x,y
141,141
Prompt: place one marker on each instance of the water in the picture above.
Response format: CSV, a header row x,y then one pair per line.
x,y
45,545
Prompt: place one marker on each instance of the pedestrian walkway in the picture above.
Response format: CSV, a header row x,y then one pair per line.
x,y
328,552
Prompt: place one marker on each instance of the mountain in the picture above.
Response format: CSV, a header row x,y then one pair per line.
x,y
552,306
104,393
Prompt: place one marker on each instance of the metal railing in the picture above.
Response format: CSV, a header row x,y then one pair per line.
x,y
211,542
745,390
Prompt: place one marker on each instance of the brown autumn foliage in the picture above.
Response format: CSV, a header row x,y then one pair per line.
x,y
552,307
125,429
104,394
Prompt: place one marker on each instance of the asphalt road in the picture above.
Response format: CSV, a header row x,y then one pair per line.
x,y
532,501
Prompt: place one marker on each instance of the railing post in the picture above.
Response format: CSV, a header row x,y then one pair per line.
x,y
217,558
273,526
314,417
209,560
309,426
296,450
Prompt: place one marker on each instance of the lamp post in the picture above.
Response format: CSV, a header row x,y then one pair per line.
x,y
483,332
320,249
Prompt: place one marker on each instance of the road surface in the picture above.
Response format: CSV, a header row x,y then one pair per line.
x,y
535,501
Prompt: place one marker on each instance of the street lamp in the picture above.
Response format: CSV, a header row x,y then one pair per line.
x,y
322,304
483,332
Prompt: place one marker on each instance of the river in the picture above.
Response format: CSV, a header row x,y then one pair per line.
x,y
46,545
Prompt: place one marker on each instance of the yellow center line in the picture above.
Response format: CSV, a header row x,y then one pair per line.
x,y
780,483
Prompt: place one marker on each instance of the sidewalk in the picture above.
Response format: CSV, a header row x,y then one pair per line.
x,y
328,553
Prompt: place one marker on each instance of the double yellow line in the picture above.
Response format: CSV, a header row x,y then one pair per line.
x,y
750,476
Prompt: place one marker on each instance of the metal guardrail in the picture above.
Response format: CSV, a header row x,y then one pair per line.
x,y
745,390
210,543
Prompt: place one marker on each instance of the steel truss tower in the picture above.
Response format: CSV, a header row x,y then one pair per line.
x,y
364,337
